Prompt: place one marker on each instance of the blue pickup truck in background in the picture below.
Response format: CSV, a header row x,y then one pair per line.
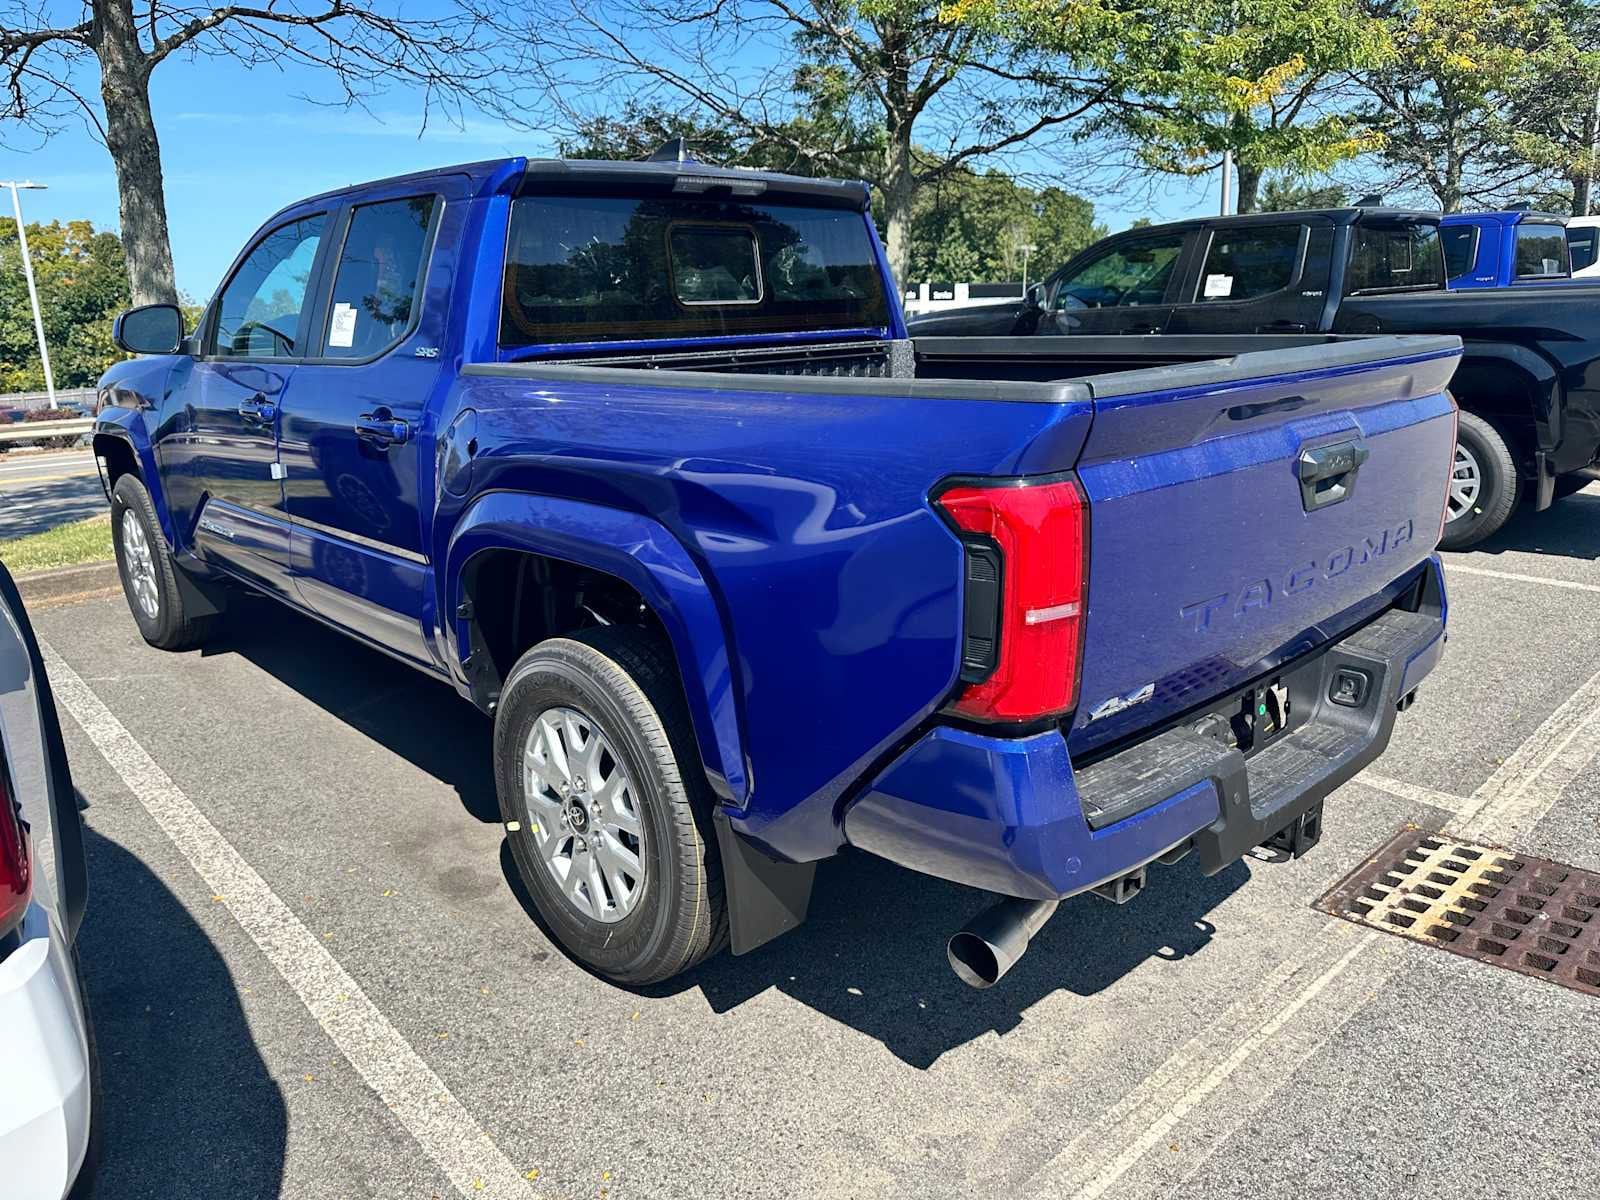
x,y
640,460
1513,248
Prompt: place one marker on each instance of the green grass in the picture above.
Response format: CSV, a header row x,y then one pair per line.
x,y
64,546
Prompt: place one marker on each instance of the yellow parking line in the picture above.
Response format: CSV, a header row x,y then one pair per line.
x,y
26,479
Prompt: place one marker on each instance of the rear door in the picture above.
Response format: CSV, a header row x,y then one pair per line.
x,y
353,433
226,460
1128,286
1258,278
1244,511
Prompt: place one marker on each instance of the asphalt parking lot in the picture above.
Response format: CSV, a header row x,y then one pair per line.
x,y
312,975
41,491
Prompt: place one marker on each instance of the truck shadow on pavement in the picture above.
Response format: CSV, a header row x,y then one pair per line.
x,y
187,1106
421,720
1569,528
871,954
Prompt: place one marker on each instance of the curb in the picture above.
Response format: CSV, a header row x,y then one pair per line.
x,y
60,585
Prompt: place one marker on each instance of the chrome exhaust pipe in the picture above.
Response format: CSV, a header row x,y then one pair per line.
x,y
992,942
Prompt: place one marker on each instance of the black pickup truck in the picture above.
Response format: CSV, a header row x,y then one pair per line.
x,y
1529,381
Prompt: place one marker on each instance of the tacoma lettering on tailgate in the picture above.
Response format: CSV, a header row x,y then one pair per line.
x,y
1260,593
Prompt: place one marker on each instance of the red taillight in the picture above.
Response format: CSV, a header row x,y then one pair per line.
x,y
1039,531
15,868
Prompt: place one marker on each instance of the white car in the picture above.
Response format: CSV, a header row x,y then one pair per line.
x,y
47,1076
1583,241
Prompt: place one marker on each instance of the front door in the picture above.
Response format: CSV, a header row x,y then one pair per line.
x,y
1128,288
238,386
351,432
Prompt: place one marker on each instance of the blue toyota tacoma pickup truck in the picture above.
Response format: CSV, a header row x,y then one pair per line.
x,y
639,459
1513,248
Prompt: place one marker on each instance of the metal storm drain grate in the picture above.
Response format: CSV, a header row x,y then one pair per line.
x,y
1528,914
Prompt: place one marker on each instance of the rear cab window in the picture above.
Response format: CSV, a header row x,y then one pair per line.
x,y
1244,264
1394,257
1583,246
595,268
378,278
1460,244
1541,251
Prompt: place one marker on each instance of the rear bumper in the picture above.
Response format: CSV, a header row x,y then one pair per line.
x,y
1011,815
44,1067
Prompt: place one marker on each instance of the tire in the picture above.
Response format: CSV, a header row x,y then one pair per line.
x,y
621,684
149,576
1478,512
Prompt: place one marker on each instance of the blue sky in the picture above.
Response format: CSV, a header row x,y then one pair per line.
x,y
237,144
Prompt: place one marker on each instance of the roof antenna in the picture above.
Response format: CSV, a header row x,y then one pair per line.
x,y
1371,200
675,151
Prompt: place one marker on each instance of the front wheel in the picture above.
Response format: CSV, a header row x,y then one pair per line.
x,y
1484,484
149,576
607,812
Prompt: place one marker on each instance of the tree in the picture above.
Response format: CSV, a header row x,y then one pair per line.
x,y
1553,110
1442,102
1286,193
902,93
1261,79
83,283
46,69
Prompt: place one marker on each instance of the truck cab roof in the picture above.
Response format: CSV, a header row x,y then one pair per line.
x,y
681,176
1510,216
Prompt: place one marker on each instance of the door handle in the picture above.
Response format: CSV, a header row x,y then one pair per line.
x,y
1328,473
1282,327
1142,330
382,429
258,408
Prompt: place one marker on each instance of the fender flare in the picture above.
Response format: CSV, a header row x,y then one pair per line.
x,y
1548,409
645,555
127,424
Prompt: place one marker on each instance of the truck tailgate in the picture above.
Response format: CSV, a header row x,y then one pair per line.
x,y
1245,511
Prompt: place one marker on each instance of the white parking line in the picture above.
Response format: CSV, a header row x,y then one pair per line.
x,y
1510,801
1413,792
446,1132
1525,787
1455,568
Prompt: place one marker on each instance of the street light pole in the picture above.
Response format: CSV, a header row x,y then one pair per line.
x,y
27,271
1227,181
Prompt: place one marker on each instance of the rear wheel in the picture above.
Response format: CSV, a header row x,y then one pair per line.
x,y
610,835
1484,484
149,576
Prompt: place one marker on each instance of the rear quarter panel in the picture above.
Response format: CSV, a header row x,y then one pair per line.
x,y
834,582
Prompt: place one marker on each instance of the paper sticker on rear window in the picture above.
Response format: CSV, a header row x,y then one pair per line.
x,y
342,331
1218,285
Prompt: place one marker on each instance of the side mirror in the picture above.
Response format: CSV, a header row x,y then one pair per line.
x,y
149,329
1034,297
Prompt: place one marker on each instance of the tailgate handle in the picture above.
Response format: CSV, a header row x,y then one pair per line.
x,y
1328,473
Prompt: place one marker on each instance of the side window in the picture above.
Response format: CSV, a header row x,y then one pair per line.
x,y
1245,263
1131,274
1394,258
380,271
1541,250
1584,246
258,312
1460,248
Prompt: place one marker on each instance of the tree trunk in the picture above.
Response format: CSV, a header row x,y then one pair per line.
x,y
1249,188
135,153
899,190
